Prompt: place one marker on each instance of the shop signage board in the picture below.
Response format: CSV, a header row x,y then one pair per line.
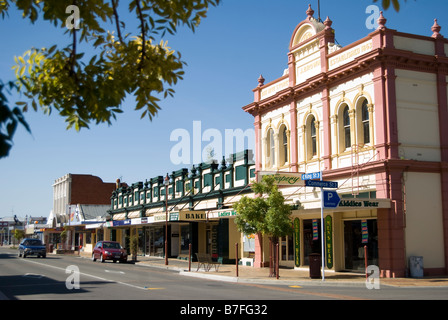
x,y
172,216
329,241
365,203
291,179
227,213
192,215
125,222
297,242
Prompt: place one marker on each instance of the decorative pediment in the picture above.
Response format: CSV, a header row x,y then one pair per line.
x,y
306,29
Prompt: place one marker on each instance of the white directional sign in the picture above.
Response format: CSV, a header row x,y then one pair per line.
x,y
312,176
321,184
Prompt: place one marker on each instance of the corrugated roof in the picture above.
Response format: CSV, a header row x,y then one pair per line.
x,y
92,211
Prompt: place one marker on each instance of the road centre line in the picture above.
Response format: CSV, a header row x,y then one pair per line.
x,y
87,275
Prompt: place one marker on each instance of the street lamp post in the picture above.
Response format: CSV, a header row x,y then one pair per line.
x,y
166,182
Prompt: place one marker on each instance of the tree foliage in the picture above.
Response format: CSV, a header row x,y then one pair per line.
x,y
19,234
266,214
86,86
386,4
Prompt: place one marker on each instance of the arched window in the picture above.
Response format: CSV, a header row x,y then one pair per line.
x,y
283,145
270,152
313,137
365,121
346,127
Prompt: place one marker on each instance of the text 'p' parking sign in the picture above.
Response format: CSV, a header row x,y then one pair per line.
x,y
331,199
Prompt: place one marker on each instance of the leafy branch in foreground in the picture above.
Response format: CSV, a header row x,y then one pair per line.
x,y
90,85
386,4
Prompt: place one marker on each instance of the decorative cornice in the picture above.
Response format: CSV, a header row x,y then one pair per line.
x,y
366,63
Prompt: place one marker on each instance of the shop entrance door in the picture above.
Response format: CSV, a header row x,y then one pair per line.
x,y
354,246
311,240
211,239
156,241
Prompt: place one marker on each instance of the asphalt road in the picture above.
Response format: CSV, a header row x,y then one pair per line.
x,y
60,277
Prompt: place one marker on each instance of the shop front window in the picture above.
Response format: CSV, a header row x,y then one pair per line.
x,y
155,241
185,240
287,248
357,234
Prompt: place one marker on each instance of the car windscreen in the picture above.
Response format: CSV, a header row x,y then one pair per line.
x,y
33,243
111,245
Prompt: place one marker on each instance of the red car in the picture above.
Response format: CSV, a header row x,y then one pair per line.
x,y
109,250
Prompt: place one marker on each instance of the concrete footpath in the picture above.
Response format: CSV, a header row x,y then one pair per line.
x,y
287,276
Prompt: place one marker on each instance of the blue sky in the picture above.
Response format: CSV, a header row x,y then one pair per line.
x,y
238,41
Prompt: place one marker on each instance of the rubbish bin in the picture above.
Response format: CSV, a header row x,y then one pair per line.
x,y
315,265
416,267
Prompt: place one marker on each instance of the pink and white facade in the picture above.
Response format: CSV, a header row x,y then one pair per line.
x,y
372,116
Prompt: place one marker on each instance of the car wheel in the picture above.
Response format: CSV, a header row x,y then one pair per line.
x,y
19,254
44,256
114,261
93,257
101,258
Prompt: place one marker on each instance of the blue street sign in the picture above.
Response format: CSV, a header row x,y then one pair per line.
x,y
311,176
331,199
321,184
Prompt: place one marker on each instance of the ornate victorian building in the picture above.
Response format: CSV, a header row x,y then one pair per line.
x,y
371,116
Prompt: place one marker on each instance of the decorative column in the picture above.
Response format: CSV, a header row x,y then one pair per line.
x,y
258,143
326,123
293,151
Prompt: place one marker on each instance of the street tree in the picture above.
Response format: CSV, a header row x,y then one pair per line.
x,y
19,234
266,214
87,80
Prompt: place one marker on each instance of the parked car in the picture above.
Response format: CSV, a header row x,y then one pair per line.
x,y
30,247
109,250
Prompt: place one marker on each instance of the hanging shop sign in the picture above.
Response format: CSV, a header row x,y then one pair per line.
x,y
315,230
297,242
329,241
364,231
